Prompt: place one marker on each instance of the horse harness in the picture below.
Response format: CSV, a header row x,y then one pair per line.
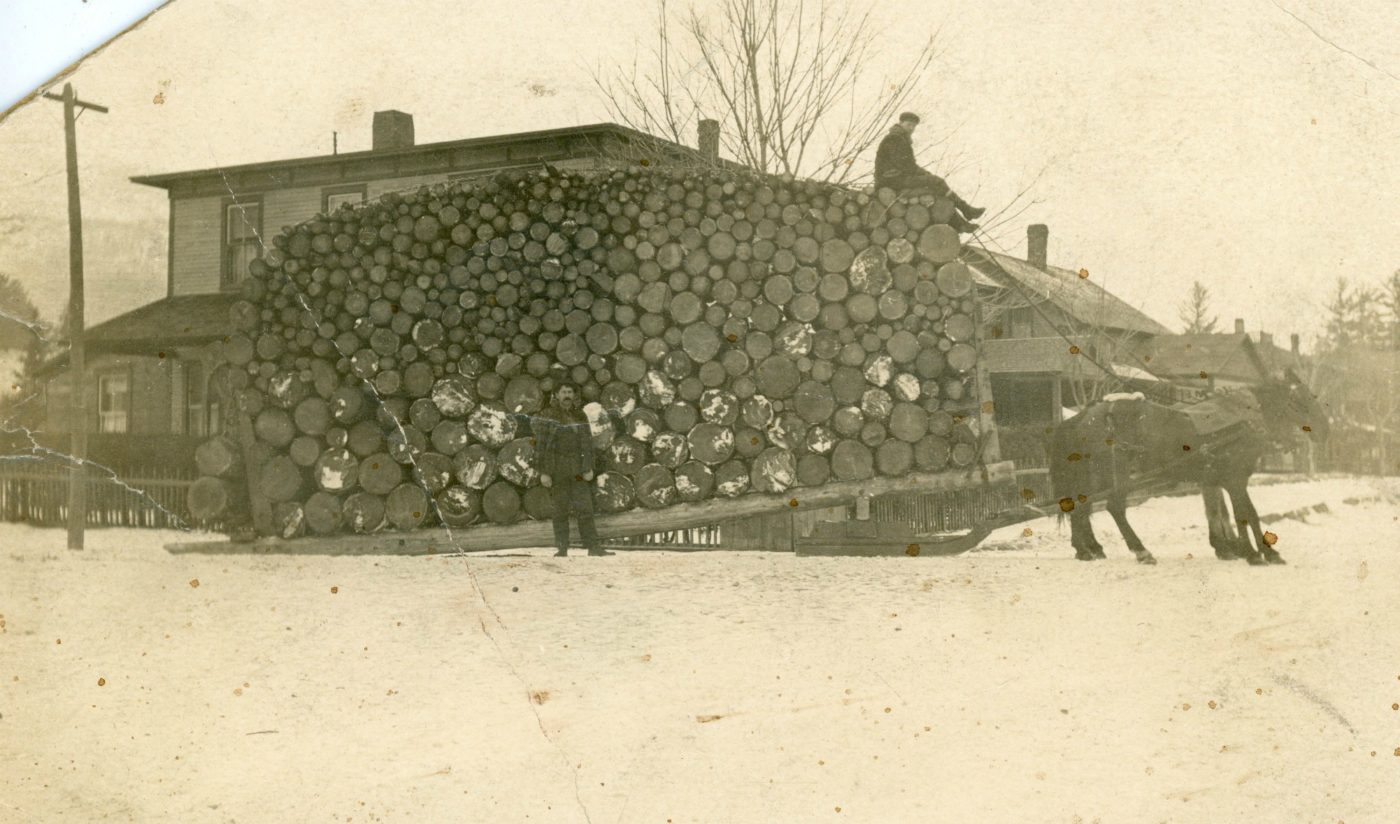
x,y
1220,421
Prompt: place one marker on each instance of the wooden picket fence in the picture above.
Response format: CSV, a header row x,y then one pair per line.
x,y
34,490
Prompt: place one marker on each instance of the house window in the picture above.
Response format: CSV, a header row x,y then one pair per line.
x,y
337,196
242,239
113,402
1020,322
1024,399
196,410
487,171
196,393
177,397
211,405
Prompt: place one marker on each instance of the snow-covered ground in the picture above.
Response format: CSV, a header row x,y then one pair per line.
x,y
1004,685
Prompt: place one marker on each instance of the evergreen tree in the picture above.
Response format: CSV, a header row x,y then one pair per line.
x,y
17,315
1195,311
1341,321
1390,308
26,341
1368,325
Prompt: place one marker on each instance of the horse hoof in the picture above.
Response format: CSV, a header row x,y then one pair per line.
x,y
1255,560
1082,556
1147,558
1226,556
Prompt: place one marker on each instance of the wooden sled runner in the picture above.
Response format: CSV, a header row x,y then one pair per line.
x,y
635,522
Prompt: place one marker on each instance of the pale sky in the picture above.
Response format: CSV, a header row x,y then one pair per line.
x,y
40,38
1251,144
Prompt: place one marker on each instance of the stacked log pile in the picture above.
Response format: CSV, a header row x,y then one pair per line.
x,y
221,488
738,333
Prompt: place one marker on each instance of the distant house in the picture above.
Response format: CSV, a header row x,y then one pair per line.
x,y
1208,361
148,371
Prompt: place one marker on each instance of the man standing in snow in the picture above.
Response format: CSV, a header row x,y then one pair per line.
x,y
564,450
895,168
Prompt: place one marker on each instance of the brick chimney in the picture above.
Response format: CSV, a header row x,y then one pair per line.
x,y
1037,243
1293,342
709,139
1266,339
1239,326
392,130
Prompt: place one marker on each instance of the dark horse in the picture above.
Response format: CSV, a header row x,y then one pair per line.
x,y
1127,442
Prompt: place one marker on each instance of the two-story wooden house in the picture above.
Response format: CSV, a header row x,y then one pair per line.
x,y
148,371
1052,339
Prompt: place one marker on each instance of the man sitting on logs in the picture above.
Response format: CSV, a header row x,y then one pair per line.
x,y
895,168
564,450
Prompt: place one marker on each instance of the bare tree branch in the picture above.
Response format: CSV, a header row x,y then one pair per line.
x,y
789,80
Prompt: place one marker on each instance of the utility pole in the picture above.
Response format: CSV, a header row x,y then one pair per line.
x,y
77,487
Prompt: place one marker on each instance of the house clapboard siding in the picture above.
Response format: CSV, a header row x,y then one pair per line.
x,y
148,386
286,207
194,247
197,248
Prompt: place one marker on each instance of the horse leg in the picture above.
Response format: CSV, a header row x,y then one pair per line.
x,y
1094,546
1076,539
1265,548
1118,508
1222,533
1248,521
1086,546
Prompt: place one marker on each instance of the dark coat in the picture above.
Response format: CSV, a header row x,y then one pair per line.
x,y
563,443
894,159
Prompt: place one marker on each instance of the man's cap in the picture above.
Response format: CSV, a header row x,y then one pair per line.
x,y
908,116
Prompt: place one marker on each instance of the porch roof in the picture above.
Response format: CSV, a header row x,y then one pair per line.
x,y
179,320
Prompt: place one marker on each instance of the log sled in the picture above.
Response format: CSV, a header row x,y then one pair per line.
x,y
760,340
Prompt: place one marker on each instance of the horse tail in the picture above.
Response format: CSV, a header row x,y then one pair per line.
x,y
1069,476
1060,470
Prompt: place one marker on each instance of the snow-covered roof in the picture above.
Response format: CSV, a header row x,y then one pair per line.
x,y
1223,357
1083,298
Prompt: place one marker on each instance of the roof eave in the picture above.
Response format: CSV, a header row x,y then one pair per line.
x,y
163,181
